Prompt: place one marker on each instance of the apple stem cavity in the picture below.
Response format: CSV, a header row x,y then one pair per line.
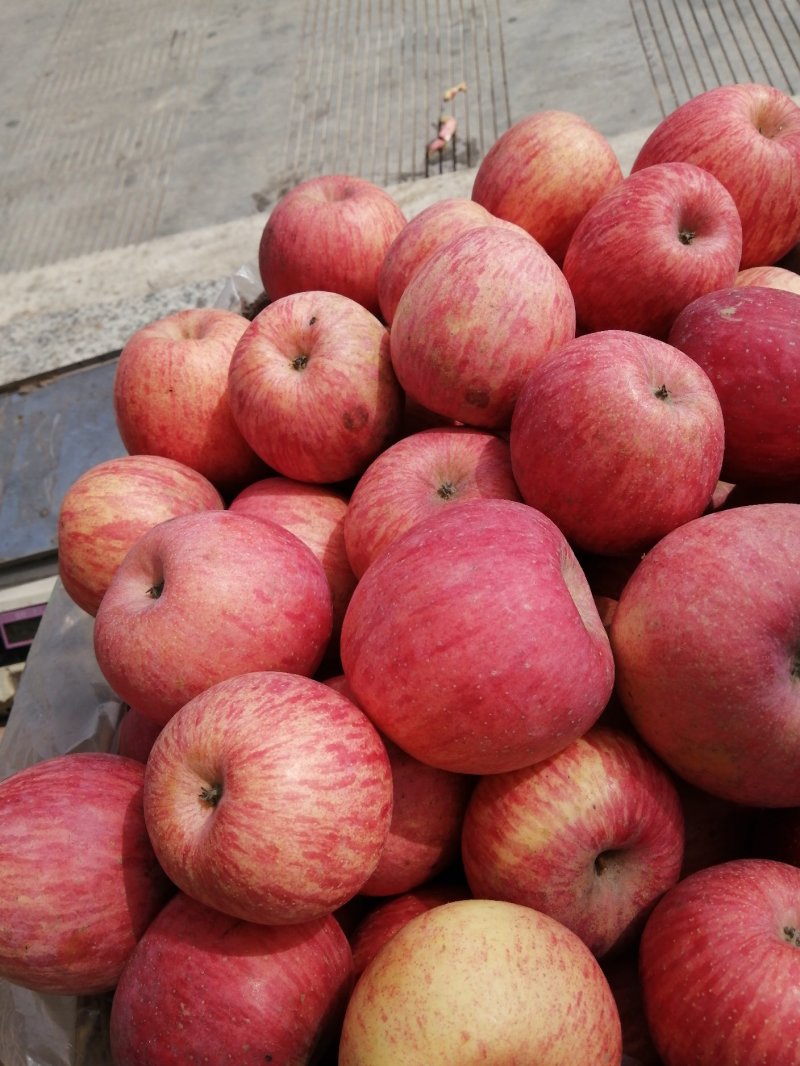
x,y
792,935
446,490
300,362
602,862
211,794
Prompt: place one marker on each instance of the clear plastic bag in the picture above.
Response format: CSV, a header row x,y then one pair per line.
x,y
63,704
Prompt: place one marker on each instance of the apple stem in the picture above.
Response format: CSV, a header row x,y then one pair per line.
x,y
446,490
155,590
792,935
211,794
600,864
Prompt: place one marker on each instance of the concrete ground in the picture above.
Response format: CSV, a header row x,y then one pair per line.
x,y
141,143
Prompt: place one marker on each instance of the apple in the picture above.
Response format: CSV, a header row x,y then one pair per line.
x,y
136,734
388,917
712,998
434,226
618,438
312,388
170,395
474,319
418,476
592,836
650,246
314,513
204,987
428,807
269,797
748,137
204,597
329,232
80,880
544,173
771,277
705,646
109,506
481,980
473,641
759,389
425,830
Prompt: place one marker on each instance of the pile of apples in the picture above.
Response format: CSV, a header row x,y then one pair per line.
x,y
454,597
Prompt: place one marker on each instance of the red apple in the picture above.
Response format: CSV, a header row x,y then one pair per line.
x,y
473,641
413,246
329,232
482,981
109,506
80,880
483,310
427,812
136,735
312,387
415,478
592,836
269,797
205,597
748,137
771,277
705,646
759,389
381,923
618,438
170,395
650,246
428,807
204,987
544,173
712,998
314,513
